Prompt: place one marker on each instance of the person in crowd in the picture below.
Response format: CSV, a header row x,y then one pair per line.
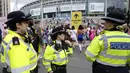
x,y
92,33
80,33
73,34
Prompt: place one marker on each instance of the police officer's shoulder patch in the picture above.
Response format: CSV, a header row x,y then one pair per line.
x,y
15,41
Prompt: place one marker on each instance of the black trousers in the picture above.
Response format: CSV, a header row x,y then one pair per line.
x,y
100,68
58,69
4,70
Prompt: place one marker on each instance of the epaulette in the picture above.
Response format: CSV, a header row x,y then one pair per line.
x,y
15,41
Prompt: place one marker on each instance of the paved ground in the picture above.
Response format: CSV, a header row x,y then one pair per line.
x,y
1,68
78,64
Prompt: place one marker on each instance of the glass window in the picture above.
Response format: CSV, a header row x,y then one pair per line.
x,y
116,5
68,0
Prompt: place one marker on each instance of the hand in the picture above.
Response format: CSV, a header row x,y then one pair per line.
x,y
68,42
69,56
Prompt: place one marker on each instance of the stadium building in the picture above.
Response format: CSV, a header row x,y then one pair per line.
x,y
62,8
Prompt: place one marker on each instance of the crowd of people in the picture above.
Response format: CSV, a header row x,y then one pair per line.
x,y
81,35
26,42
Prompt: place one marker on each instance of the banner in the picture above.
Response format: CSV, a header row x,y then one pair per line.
x,y
35,12
96,7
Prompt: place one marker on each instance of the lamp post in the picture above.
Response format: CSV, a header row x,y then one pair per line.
x,y
128,13
105,8
42,13
71,9
56,12
15,5
86,7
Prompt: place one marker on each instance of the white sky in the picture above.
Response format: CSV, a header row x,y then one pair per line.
x,y
20,4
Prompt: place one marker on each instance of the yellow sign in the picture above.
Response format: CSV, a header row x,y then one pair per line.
x,y
76,19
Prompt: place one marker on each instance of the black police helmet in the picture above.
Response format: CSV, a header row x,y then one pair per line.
x,y
29,16
15,16
115,17
56,31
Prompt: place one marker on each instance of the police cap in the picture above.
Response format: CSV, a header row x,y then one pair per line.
x,y
29,16
56,31
115,17
15,16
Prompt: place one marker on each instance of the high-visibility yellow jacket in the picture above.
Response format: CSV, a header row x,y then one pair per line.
x,y
20,56
111,48
32,35
51,56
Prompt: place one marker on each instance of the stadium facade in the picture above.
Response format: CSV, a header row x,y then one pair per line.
x,y
62,8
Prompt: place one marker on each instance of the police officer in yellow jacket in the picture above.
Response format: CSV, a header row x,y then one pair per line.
x,y
32,32
19,55
35,38
56,55
110,52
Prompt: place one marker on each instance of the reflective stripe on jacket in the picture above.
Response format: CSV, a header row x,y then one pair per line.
x,y
111,48
55,57
22,57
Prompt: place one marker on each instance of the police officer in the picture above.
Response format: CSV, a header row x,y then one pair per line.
x,y
19,55
56,55
110,52
35,38
34,35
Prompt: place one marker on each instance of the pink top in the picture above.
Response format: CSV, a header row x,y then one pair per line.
x,y
92,34
129,32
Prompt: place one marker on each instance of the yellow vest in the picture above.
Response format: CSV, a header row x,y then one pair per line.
x,y
55,57
40,49
111,48
20,57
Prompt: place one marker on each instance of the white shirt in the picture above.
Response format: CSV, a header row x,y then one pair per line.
x,y
73,34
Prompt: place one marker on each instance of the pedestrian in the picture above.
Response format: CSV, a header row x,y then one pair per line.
x,y
56,54
19,54
88,32
93,33
73,34
80,33
0,36
110,51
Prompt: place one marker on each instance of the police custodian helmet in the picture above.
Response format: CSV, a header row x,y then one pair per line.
x,y
56,31
16,16
115,17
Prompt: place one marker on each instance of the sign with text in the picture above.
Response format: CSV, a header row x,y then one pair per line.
x,y
96,7
76,19
35,12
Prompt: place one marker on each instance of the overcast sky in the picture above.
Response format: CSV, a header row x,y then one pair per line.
x,y
20,3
